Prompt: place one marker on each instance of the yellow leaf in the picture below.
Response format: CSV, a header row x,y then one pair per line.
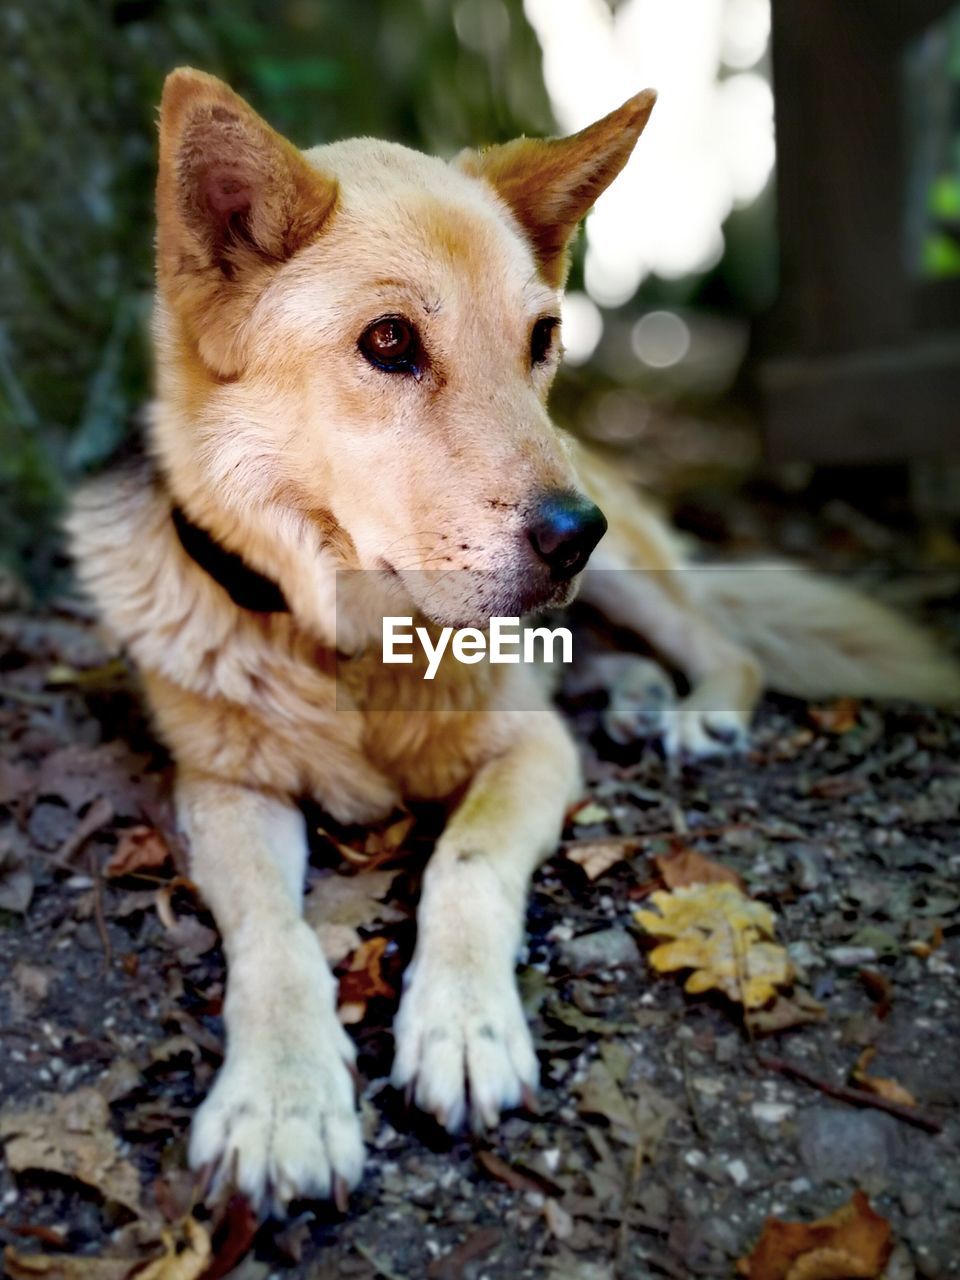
x,y
182,1260
724,937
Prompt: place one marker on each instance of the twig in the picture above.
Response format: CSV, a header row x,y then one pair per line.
x,y
844,1093
97,816
97,877
688,1090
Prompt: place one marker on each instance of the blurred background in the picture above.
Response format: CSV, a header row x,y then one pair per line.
x,y
764,311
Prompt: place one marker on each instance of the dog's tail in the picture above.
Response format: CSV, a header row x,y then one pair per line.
x,y
817,638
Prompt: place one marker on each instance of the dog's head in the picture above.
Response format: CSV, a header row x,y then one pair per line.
x,y
355,345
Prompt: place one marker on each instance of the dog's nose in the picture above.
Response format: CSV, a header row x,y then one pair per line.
x,y
564,530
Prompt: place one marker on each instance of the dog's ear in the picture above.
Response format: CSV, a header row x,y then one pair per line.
x,y
234,199
551,183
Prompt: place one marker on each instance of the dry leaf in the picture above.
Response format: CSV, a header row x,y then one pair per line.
x,y
787,1011
589,813
515,1176
186,1258
684,867
338,905
138,849
16,882
854,1242
71,1136
363,980
882,1086
46,1266
598,856
725,938
836,717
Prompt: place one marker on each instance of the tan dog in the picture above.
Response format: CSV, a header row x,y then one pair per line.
x,y
353,348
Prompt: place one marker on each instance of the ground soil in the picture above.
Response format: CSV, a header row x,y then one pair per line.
x,y
667,1130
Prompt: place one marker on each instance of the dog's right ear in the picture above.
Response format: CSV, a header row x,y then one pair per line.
x,y
234,199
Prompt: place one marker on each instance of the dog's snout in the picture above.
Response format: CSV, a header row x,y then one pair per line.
x,y
564,529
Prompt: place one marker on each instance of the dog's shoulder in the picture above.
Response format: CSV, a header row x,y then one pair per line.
x,y
159,604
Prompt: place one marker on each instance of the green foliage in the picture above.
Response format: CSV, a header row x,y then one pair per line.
x,y
81,79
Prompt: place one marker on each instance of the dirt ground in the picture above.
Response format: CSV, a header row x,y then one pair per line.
x,y
668,1130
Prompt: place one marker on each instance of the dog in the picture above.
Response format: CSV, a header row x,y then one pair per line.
x,y
354,346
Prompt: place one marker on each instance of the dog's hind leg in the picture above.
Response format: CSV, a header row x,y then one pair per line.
x,y
280,1121
462,1039
725,680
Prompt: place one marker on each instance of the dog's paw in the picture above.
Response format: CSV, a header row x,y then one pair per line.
x,y
278,1131
463,1046
641,697
694,733
280,1122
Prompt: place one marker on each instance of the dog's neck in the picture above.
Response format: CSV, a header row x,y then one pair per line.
x,y
246,587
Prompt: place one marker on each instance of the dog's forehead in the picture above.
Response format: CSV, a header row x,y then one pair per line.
x,y
419,219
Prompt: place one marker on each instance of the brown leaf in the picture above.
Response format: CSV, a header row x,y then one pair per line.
x,y
338,905
70,1135
516,1176
882,1086
855,1242
836,717
138,849
232,1236
16,882
598,856
450,1266
363,980
684,867
186,1254
786,1011
879,989
45,1266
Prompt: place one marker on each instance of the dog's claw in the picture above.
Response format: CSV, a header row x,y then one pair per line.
x,y
529,1100
341,1193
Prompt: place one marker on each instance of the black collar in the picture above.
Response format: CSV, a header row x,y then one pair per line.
x,y
245,586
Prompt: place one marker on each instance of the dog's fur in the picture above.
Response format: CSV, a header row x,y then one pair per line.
x,y
274,435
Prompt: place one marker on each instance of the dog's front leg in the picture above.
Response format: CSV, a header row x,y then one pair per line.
x,y
280,1121
462,1039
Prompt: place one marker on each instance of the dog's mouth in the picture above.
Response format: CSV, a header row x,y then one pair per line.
x,y
470,598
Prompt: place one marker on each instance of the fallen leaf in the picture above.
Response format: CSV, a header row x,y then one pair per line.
x,y
46,1266
186,1254
16,882
138,849
515,1176
836,717
724,937
589,813
878,987
71,1135
684,867
338,905
232,1236
598,856
795,1010
450,1265
637,1116
852,1244
363,980
16,781
882,1086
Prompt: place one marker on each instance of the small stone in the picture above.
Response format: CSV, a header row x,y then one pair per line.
x,y
852,957
771,1112
738,1172
913,1203
837,1144
606,949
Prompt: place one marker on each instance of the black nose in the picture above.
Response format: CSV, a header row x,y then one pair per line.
x,y
564,530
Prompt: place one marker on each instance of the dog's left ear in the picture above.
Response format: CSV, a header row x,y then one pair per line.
x,y
551,183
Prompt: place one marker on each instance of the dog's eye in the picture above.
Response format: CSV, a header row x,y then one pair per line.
x,y
392,344
541,339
